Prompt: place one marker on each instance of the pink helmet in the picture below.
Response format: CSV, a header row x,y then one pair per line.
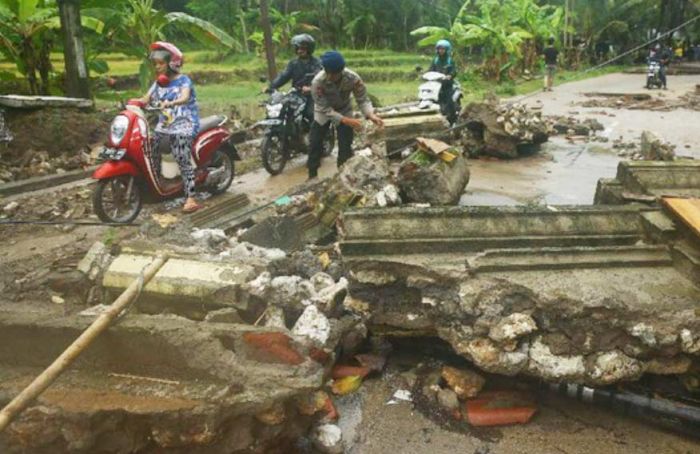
x,y
168,52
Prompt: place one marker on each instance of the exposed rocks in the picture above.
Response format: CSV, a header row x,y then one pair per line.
x,y
571,126
654,148
465,383
503,131
447,399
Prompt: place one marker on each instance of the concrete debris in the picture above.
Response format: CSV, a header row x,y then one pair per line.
x,y
654,148
275,232
226,315
512,327
429,179
11,208
573,126
357,183
503,131
448,399
211,238
465,383
327,438
313,325
96,261
642,101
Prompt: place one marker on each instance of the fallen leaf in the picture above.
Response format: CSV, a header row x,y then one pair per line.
x,y
346,385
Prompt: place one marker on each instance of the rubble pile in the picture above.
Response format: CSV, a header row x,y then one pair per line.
x,y
502,130
509,329
68,204
643,101
572,126
651,147
39,163
363,180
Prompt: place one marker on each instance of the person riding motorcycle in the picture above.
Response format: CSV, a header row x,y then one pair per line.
x,y
174,93
301,71
663,56
444,64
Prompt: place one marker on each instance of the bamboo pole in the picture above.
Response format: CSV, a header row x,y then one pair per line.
x,y
51,373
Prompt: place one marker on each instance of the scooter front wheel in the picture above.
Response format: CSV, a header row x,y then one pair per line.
x,y
117,199
274,154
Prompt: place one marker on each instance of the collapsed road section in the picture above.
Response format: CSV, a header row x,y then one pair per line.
x,y
577,294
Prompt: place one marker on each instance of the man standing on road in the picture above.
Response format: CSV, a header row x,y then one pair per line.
x,y
331,89
550,61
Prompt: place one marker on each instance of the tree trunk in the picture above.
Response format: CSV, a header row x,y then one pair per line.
x,y
77,82
267,34
28,56
44,63
244,32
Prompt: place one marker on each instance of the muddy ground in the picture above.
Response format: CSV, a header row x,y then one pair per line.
x,y
562,173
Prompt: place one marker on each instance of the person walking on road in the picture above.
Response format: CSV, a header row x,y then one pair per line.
x,y
551,55
331,90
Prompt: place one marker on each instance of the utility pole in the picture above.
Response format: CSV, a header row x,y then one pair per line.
x,y
77,82
267,34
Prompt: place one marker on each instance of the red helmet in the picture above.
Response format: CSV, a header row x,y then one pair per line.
x,y
169,53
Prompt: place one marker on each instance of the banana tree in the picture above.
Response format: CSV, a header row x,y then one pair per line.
x,y
27,32
139,24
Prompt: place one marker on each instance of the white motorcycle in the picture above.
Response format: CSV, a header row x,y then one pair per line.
x,y
429,95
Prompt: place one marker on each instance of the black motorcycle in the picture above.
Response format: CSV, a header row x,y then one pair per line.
x,y
286,130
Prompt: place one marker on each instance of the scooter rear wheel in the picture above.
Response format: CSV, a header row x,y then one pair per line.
x,y
274,155
117,199
223,161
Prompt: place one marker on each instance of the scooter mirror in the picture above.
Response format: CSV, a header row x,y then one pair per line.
x,y
419,69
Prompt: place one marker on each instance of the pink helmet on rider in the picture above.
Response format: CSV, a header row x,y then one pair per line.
x,y
168,52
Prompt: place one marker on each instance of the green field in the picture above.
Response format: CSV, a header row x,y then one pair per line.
x,y
391,77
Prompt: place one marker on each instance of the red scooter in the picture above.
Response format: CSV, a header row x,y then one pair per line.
x,y
128,176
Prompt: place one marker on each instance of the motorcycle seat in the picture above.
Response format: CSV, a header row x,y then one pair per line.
x,y
211,122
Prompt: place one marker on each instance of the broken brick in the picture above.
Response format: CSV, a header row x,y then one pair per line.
x,y
272,347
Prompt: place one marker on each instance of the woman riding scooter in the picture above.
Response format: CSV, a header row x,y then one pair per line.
x,y
179,119
444,64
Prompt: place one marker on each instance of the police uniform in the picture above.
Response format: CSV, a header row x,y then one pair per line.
x,y
331,104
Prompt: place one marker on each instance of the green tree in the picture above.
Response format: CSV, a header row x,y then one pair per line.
x,y
139,24
27,33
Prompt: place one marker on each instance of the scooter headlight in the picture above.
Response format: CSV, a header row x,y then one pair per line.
x,y
117,130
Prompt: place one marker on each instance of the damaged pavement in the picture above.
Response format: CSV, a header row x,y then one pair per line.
x,y
266,321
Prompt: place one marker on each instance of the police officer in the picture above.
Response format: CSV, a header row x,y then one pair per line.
x,y
301,71
331,89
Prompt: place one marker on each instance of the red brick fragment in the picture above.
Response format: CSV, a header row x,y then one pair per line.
x,y
272,347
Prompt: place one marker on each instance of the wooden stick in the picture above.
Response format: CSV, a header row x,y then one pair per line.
x,y
139,377
46,378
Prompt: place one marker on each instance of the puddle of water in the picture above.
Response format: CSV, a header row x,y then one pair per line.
x,y
561,173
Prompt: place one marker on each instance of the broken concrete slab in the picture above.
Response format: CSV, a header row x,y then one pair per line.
x,y
423,179
33,102
185,286
654,148
679,178
161,382
603,306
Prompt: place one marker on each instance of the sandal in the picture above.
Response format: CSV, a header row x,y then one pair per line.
x,y
191,208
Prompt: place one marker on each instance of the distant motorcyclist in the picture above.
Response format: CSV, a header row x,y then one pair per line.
x,y
444,64
662,55
301,71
